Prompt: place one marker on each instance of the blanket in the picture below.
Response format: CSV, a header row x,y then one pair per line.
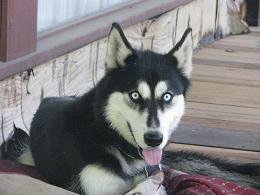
x,y
168,181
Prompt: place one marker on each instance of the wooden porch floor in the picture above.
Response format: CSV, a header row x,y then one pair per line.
x,y
223,109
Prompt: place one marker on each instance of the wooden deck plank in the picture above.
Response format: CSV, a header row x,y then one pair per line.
x,y
226,75
251,39
225,94
223,112
231,154
223,105
255,29
216,137
219,54
219,123
223,63
247,43
231,46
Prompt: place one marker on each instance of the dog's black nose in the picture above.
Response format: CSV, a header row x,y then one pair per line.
x,y
153,138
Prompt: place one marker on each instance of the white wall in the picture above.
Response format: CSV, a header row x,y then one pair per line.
x,y
52,13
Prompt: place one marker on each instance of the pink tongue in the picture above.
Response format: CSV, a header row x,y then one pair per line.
x,y
152,156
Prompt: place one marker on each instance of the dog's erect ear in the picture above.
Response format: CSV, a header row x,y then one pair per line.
x,y
183,52
118,48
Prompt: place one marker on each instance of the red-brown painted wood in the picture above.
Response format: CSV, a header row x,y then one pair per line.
x,y
18,33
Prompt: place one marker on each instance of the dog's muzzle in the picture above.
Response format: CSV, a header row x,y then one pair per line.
x,y
153,138
153,155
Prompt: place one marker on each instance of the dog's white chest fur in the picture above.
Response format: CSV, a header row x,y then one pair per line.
x,y
97,180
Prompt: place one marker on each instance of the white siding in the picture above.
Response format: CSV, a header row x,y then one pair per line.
x,y
52,13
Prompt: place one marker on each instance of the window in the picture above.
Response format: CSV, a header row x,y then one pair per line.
x,y
53,13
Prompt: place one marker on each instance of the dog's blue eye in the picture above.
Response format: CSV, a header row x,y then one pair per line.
x,y
167,97
135,96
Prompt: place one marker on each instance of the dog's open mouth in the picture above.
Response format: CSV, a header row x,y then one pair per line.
x,y
152,156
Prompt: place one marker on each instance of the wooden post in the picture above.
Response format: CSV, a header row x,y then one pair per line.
x,y
18,28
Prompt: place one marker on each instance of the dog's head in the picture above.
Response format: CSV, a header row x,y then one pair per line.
x,y
146,91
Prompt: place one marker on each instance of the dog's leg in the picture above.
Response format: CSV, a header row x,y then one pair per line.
x,y
97,180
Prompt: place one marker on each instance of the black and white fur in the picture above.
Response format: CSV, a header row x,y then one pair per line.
x,y
93,144
98,138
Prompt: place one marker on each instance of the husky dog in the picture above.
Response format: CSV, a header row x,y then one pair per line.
x,y
101,142
105,138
